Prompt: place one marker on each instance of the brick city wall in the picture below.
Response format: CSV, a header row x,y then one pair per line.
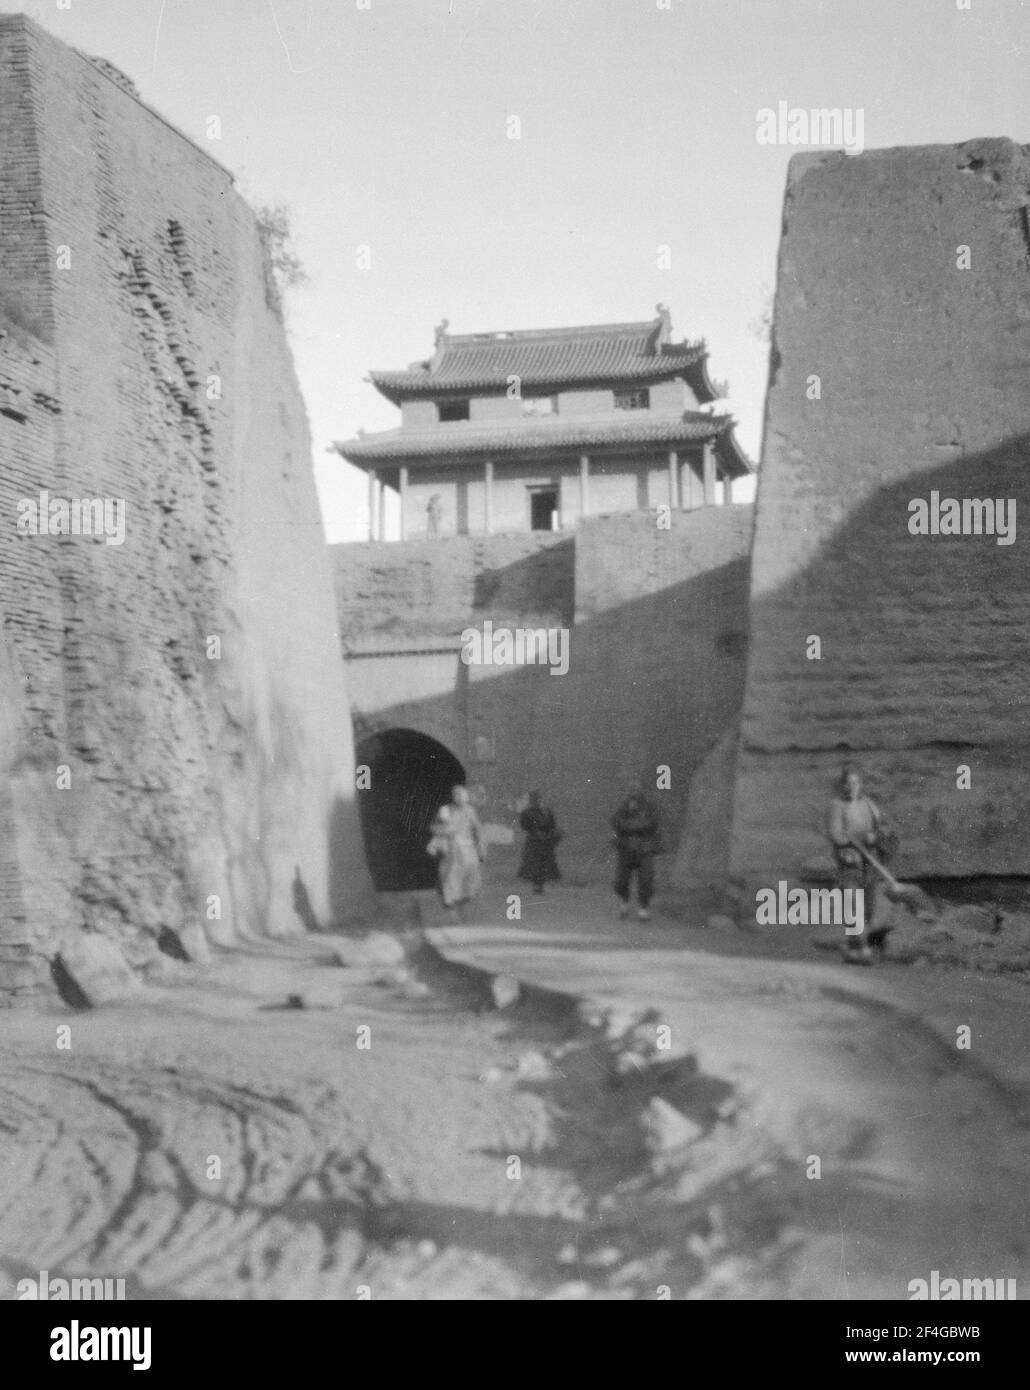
x,y
923,365
142,358
655,672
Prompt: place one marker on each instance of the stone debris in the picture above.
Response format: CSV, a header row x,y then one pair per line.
x,y
97,969
977,917
534,1066
617,1024
630,1063
322,993
979,936
505,990
415,990
163,970
592,1014
391,976
633,1040
377,948
667,1129
195,943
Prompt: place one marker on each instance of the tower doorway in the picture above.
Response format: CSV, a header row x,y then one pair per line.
x,y
543,509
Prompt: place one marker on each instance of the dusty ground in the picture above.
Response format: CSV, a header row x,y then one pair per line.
x,y
477,1153
338,1165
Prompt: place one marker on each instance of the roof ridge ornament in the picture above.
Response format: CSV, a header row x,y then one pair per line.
x,y
439,346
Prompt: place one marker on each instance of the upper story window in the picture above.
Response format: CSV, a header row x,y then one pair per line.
x,y
452,410
540,405
637,399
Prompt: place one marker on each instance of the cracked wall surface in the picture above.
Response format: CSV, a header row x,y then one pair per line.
x,y
142,358
922,354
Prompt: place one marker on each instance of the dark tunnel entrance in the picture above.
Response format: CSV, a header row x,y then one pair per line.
x,y
411,778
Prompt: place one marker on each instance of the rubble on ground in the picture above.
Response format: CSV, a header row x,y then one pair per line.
x,y
376,948
95,970
979,936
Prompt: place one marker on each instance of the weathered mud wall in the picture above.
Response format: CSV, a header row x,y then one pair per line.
x,y
426,588
173,718
900,367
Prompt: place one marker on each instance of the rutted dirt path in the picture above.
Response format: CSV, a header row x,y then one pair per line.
x,y
209,1143
923,1146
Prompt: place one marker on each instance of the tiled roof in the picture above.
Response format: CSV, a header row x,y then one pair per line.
x,y
615,352
464,438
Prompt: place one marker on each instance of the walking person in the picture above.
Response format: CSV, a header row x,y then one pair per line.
x,y
855,819
637,841
434,511
539,864
457,844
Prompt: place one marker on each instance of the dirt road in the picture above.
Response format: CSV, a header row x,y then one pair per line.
x,y
209,1142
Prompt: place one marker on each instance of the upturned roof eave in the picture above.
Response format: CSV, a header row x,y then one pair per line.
x,y
700,381
393,448
399,386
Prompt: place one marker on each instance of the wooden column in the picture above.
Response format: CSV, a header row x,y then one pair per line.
x,y
373,502
708,465
488,495
584,485
674,491
402,488
727,488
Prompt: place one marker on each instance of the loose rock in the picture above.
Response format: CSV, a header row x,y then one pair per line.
x,y
415,989
377,948
323,993
390,975
534,1066
666,1128
97,969
505,990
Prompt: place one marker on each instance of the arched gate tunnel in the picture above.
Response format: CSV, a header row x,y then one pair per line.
x,y
411,778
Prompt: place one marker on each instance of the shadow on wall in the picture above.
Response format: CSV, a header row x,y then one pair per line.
x,y
302,904
543,582
654,681
924,668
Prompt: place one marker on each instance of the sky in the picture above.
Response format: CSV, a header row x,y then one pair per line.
x,y
637,176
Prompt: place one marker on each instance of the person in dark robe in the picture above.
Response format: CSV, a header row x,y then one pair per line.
x,y
637,841
539,864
